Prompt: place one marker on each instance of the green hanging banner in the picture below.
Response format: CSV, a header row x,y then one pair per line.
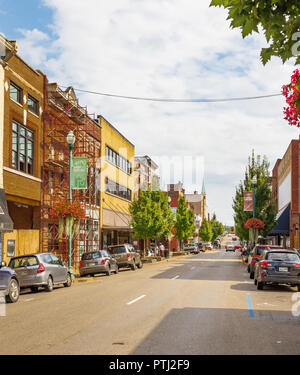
x,y
79,173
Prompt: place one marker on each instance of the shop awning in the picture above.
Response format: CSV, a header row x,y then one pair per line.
x,y
283,222
6,223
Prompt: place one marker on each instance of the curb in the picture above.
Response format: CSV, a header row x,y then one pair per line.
x,y
84,280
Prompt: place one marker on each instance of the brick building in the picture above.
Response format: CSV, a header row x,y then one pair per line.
x,y
22,134
285,190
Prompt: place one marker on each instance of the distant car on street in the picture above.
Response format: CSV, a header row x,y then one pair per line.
x,y
191,247
40,270
95,262
255,254
277,267
126,256
208,246
9,283
230,246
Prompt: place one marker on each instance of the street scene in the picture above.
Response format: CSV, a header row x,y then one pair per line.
x,y
149,180
207,300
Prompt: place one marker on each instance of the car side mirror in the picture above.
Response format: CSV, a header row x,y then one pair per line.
x,y
3,264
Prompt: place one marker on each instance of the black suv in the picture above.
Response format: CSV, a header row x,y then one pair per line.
x,y
279,266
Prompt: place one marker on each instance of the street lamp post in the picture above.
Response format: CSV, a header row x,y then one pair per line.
x,y
169,239
254,183
70,140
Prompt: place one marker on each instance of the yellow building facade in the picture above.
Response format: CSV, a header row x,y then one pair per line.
x,y
117,185
21,156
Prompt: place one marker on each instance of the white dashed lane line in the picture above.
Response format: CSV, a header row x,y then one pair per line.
x,y
135,300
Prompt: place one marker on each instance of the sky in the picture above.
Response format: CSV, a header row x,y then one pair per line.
x,y
163,49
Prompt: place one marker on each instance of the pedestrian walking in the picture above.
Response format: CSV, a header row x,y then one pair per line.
x,y
162,250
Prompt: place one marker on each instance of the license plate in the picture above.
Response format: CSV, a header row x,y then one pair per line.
x,y
283,269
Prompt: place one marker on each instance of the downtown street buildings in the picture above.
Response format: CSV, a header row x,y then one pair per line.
x,y
45,134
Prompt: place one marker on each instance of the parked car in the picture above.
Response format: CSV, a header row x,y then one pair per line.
x,y
230,247
126,256
208,246
191,247
277,267
255,254
97,262
201,247
40,270
9,283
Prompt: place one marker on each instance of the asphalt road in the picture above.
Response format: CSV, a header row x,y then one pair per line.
x,y
203,304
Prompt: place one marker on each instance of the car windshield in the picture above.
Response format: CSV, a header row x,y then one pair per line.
x,y
23,262
284,257
117,249
89,256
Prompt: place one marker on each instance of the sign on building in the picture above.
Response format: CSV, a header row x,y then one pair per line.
x,y
79,173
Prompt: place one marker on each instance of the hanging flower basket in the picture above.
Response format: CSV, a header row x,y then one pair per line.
x,y
254,224
69,215
292,95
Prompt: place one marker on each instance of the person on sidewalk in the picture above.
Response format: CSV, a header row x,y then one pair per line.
x,y
162,250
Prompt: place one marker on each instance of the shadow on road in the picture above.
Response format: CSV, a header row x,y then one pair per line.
x,y
225,270
202,331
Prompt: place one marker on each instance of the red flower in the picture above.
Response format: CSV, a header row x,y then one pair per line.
x,y
254,223
292,95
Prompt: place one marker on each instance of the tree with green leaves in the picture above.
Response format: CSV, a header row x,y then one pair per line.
x,y
205,231
265,208
184,223
216,227
279,20
151,217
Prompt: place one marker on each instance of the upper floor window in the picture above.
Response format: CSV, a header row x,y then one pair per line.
x,y
118,160
33,105
15,93
22,148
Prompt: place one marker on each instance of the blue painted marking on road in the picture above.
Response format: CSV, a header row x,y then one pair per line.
x,y
250,308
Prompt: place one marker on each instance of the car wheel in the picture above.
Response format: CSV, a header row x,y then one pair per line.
x,y
133,266
251,275
140,265
34,289
260,285
13,291
68,283
49,286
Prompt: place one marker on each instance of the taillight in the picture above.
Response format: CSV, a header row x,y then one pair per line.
x,y
128,255
41,268
265,264
80,265
103,261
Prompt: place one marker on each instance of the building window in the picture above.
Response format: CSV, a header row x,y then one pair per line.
x,y
118,160
22,148
33,105
15,93
114,188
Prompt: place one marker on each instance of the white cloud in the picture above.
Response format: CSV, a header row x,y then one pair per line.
x,y
170,49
